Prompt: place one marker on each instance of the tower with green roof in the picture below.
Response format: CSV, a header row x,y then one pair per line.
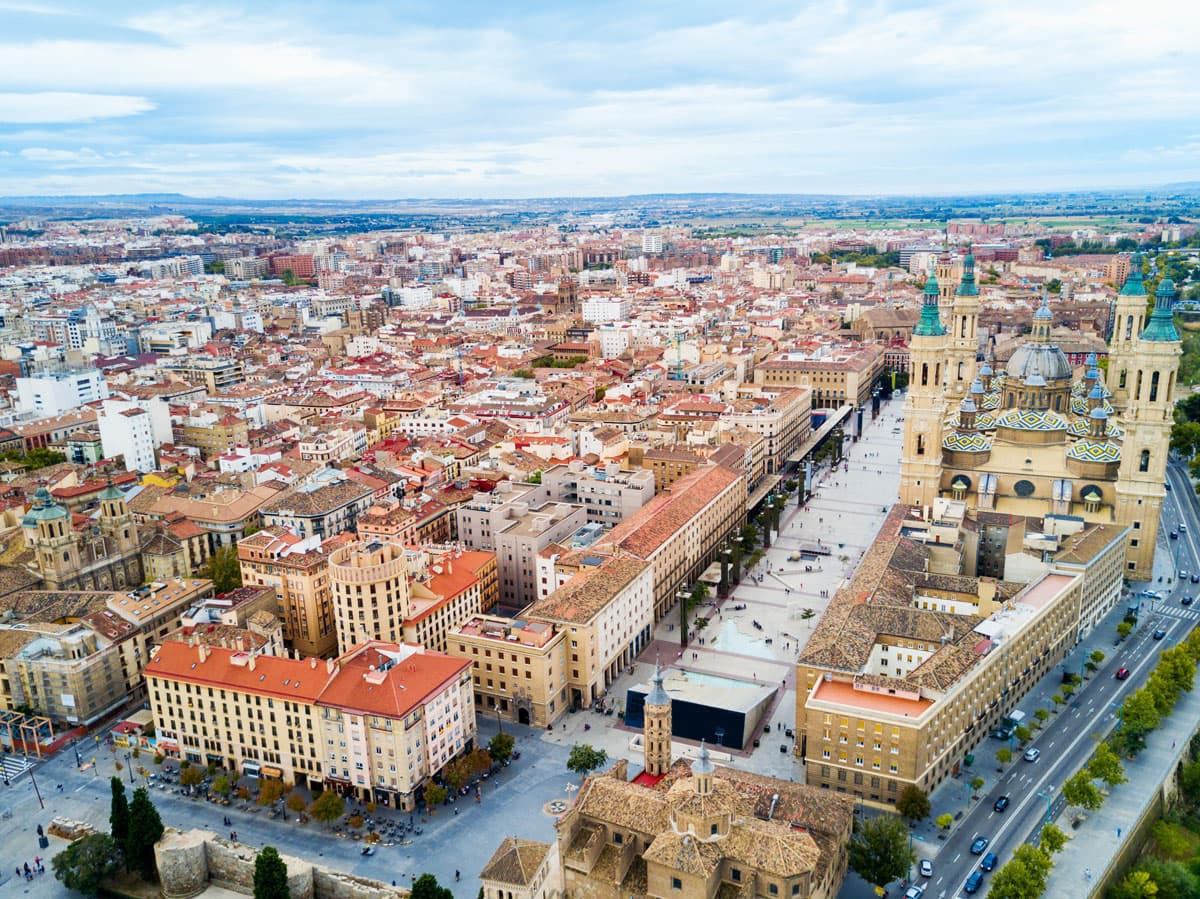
x,y
963,322
925,404
1129,313
1150,371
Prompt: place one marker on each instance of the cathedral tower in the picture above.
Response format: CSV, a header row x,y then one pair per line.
x,y
924,406
1128,317
48,532
1149,414
964,337
116,521
657,726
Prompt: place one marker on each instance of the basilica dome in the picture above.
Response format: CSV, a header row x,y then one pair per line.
x,y
1042,359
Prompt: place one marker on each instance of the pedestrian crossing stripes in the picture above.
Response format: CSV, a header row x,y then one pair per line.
x,y
12,766
1180,612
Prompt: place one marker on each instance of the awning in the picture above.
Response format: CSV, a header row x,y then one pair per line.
x,y
269,771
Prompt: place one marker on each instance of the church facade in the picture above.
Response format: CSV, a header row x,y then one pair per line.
x,y
1038,437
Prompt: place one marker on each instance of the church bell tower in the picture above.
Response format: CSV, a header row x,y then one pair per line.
x,y
925,405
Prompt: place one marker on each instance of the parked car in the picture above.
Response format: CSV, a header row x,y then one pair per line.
x,y
974,882
1001,804
980,844
1032,754
1159,634
1122,673
926,868
988,862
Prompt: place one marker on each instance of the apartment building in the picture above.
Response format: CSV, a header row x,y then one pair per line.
x,y
213,432
448,586
57,392
900,690
783,416
129,434
321,508
518,667
526,531
607,613
214,373
836,375
608,493
680,533
298,569
371,594
223,514
376,723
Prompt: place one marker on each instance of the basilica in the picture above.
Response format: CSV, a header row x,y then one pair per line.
x,y
1038,438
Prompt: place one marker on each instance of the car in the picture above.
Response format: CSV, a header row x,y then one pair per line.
x,y
1182,527
1122,673
1196,578
1174,535
980,844
1000,804
1032,754
1167,486
1159,634
1183,574
1187,600
926,868
988,862
973,882
916,891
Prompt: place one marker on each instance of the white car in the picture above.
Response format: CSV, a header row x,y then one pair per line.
x,y
916,891
1032,754
926,868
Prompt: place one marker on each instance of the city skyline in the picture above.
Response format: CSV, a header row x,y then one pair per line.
x,y
464,101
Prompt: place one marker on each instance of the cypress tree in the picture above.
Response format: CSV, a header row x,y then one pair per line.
x,y
145,829
270,875
118,816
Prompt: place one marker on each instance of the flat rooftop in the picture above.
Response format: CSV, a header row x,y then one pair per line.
x,y
844,695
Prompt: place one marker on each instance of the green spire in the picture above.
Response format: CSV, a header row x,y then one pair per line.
x,y
930,324
1133,286
1161,327
967,286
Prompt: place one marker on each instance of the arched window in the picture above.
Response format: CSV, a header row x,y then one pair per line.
x,y
1153,386
1137,393
1121,379
1144,463
1128,327
924,374
920,445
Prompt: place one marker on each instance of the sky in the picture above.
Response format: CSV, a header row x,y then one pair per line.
x,y
532,98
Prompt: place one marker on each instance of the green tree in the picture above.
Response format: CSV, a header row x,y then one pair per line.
x,y
1052,840
1173,879
1058,700
535,478
585,758
223,569
1137,885
221,786
1189,782
1124,629
118,815
977,784
1023,733
191,776
145,829
427,887
1185,438
1024,877
328,807
501,747
1178,666
1004,756
435,795
1041,715
1105,765
87,862
296,801
1079,790
944,821
912,804
270,875
1139,716
880,851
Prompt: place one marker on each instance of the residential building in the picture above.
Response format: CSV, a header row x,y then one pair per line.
x,y
447,587
223,514
371,594
214,433
607,493
129,434
376,723
55,392
599,308
321,508
523,532
298,569
214,373
836,375
519,667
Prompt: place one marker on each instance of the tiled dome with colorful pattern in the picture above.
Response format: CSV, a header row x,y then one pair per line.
x,y
983,421
1081,427
1079,406
967,443
1095,451
1031,420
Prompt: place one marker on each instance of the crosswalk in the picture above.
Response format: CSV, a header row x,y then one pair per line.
x,y
1183,613
12,766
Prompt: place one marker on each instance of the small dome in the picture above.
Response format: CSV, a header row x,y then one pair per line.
x,y
1096,393
703,763
1166,287
968,405
1091,362
977,387
985,369
1034,379
44,509
1043,313
1098,414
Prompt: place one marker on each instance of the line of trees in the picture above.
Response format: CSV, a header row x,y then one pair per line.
x,y
134,828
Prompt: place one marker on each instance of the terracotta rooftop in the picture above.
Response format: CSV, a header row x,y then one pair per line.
x,y
583,597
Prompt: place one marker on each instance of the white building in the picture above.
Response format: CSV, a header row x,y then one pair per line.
x,y
158,409
128,433
606,309
53,393
651,243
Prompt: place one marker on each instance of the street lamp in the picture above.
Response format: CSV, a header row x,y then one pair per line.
x,y
1048,795
129,765
1120,707
78,760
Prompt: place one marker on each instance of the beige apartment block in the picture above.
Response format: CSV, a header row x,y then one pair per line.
x,y
608,493
836,375
519,667
376,723
371,594
298,569
448,586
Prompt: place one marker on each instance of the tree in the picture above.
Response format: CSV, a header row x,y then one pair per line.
x,y
427,887
585,758
296,801
87,862
1058,700
1137,885
191,776
435,795
1052,839
455,774
944,821
1124,629
1185,438
145,829
270,875
118,815
1079,790
977,784
223,569
1024,877
270,791
1105,765
1041,715
1004,756
879,850
1173,879
501,747
913,804
1139,715
221,786
1023,733
1189,781
328,807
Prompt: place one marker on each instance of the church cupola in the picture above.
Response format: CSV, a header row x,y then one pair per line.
x,y
1161,327
930,323
1098,420
966,285
1095,398
702,771
1043,321
966,415
985,377
1133,286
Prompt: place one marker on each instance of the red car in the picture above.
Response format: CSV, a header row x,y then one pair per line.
x,y
1122,673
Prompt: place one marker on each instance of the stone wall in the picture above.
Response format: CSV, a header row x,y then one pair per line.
x,y
190,861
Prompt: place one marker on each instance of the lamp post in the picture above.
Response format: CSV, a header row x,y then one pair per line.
x,y
1048,795
683,596
33,780
129,766
78,760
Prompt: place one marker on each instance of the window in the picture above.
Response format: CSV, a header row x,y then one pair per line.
x,y
773,889
736,874
676,883
1144,461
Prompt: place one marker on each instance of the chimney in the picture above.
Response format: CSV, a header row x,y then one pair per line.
x,y
202,650
330,664
312,663
250,663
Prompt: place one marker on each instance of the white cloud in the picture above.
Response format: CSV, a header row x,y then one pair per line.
x,y
44,107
